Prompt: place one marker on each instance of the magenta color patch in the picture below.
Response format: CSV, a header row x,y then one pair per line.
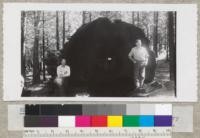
x,y
83,121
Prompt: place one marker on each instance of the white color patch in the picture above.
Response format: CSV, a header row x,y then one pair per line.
x,y
163,109
66,121
15,117
183,118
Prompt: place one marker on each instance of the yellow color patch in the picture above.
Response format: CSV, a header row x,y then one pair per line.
x,y
114,121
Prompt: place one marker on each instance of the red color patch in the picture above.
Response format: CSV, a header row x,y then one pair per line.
x,y
99,121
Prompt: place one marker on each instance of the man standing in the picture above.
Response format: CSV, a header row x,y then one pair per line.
x,y
139,56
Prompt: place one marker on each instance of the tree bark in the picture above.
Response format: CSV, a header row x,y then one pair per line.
x,y
90,16
172,44
167,43
36,70
138,18
63,28
43,48
23,68
57,32
47,42
84,17
167,51
155,33
133,18
148,31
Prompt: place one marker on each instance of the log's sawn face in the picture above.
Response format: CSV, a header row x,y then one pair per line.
x,y
98,55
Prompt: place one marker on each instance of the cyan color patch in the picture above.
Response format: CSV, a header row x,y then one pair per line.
x,y
146,121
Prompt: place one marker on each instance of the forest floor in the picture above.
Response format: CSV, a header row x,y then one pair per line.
x,y
163,77
160,87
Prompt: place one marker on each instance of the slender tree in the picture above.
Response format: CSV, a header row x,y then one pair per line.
x,y
47,41
63,28
147,30
22,44
90,16
36,68
167,51
133,18
84,16
155,33
43,47
172,43
57,32
138,18
166,41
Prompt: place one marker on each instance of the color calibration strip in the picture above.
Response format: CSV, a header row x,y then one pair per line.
x,y
98,121
146,115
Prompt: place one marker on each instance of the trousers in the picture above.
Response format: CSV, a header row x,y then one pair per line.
x,y
139,73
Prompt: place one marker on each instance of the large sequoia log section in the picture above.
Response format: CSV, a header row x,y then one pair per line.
x,y
98,57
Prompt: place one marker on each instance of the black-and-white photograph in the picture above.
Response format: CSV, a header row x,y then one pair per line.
x,y
98,53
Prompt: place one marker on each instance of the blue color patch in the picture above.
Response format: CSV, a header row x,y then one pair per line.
x,y
146,120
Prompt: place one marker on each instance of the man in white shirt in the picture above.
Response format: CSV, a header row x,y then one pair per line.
x,y
139,56
63,72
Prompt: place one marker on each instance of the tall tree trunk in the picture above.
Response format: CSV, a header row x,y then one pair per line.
x,y
172,44
167,51
47,41
155,33
36,68
23,68
138,18
90,16
84,17
43,48
63,28
57,32
167,43
148,31
133,18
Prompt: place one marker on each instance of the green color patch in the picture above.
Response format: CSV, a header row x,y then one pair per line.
x,y
131,120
